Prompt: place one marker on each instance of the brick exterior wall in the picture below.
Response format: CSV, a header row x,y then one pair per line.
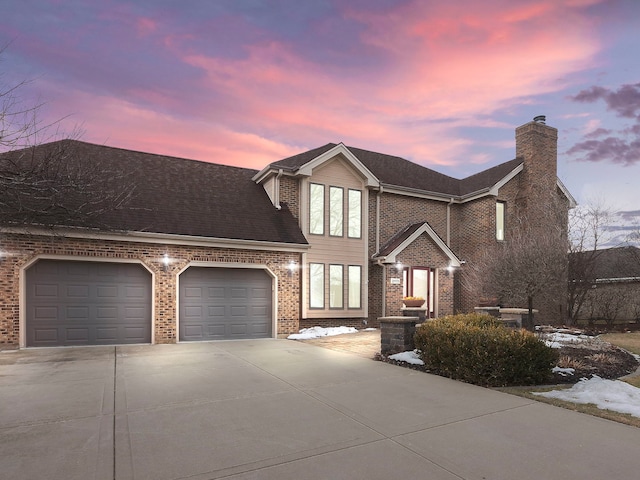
x,y
22,249
290,194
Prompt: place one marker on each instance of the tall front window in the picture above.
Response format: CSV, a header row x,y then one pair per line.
x,y
354,229
355,292
336,287
316,209
316,285
500,220
336,211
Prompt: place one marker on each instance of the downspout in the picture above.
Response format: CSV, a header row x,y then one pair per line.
x,y
378,217
383,313
276,196
449,222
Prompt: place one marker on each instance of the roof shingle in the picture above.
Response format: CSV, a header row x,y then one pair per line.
x,y
187,197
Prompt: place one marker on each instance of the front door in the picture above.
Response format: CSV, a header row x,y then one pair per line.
x,y
420,282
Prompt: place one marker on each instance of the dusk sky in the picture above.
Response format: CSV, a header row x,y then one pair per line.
x,y
248,82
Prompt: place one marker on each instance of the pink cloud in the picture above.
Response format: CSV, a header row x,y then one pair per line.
x,y
431,67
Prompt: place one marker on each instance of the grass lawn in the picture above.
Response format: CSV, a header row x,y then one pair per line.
x,y
628,341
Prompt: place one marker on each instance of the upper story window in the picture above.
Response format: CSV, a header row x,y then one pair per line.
x,y
316,209
343,214
336,211
354,229
500,214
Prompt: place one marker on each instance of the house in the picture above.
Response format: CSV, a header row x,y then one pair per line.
x,y
200,251
613,292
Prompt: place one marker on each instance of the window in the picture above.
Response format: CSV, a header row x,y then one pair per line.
x,y
336,211
316,285
500,208
354,229
355,288
336,286
316,209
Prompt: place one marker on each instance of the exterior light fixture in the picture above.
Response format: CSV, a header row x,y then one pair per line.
x,y
165,262
292,266
399,266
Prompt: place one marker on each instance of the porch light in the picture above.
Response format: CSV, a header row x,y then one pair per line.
x,y
292,266
165,262
399,266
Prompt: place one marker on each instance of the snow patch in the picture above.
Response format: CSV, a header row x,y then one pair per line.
x,y
409,357
563,371
317,332
605,394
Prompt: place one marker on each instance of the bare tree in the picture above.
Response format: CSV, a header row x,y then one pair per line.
x,y
525,269
587,234
50,185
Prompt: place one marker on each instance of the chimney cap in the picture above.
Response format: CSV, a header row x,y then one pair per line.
x,y
540,119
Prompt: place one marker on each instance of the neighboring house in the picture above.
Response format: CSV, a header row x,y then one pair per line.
x,y
333,236
614,293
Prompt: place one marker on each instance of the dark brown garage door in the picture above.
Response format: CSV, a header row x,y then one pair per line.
x,y
225,303
87,303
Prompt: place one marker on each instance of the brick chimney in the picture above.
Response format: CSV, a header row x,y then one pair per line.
x,y
537,146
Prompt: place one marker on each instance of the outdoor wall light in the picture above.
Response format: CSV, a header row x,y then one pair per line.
x,y
165,262
399,266
292,266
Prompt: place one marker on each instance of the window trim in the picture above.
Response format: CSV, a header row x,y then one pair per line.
x,y
321,295
349,210
340,223
349,306
341,307
501,217
321,209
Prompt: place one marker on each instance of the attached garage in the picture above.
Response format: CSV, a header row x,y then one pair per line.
x,y
225,303
87,303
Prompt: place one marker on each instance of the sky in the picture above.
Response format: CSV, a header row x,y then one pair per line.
x,y
248,82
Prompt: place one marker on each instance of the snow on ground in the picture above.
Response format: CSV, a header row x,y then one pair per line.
x,y
317,332
563,371
605,394
409,357
559,339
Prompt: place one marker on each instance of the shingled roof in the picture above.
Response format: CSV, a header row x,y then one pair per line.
x,y
617,263
186,197
397,171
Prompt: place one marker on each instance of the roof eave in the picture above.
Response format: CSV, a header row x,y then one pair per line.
x,y
164,238
454,261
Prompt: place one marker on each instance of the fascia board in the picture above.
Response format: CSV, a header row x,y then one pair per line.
x,y
502,182
163,238
425,228
410,192
572,201
307,168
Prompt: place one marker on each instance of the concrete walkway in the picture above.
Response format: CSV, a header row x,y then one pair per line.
x,y
278,409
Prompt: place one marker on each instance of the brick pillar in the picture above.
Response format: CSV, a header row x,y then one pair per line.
x,y
396,334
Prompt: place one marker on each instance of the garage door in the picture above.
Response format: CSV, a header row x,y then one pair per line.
x,y
87,303
225,303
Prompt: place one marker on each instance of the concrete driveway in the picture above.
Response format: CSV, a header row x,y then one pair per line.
x,y
278,409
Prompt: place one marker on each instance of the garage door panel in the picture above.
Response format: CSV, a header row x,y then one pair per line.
x,y
87,303
46,290
46,335
230,300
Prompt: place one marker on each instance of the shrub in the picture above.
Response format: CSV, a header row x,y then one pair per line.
x,y
478,349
